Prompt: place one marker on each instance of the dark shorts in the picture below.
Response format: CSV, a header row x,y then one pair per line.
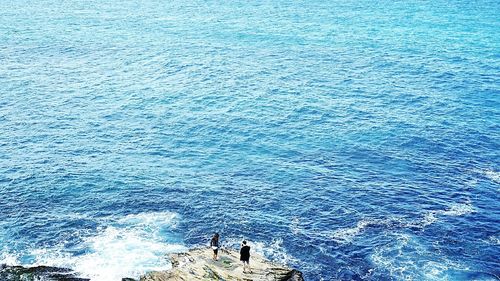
x,y
247,260
216,251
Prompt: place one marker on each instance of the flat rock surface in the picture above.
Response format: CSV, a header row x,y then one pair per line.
x,y
197,264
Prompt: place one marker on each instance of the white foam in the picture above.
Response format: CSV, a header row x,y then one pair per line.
x,y
155,221
454,210
346,235
492,175
459,210
129,247
406,259
384,257
8,258
295,226
494,240
429,219
117,253
273,250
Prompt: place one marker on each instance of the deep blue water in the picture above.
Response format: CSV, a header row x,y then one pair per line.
x,y
353,140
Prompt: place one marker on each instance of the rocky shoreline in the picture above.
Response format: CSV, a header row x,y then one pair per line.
x,y
196,264
20,273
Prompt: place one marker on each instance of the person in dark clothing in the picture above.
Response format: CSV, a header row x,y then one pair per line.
x,y
245,256
214,243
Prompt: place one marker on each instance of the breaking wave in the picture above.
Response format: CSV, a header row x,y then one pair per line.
x,y
127,247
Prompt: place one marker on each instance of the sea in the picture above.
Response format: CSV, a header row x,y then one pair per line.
x,y
349,139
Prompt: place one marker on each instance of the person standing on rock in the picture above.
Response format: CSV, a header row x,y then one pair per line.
x,y
214,243
245,256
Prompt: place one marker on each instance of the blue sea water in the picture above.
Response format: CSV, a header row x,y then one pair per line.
x,y
353,140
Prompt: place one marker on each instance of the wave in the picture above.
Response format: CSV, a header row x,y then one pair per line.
x,y
125,247
273,250
492,175
8,258
348,234
459,210
489,174
454,210
406,258
493,240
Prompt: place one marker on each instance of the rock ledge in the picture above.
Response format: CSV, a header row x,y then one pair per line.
x,y
37,273
197,264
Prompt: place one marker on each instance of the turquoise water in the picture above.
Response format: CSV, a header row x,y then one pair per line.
x,y
353,140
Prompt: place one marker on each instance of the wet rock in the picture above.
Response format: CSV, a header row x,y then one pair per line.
x,y
197,264
20,273
294,275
